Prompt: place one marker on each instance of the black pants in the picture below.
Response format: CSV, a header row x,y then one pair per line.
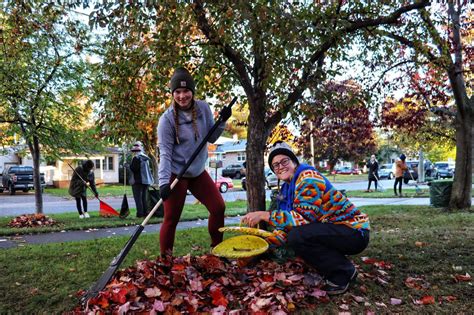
x,y
398,181
370,183
78,204
325,246
139,194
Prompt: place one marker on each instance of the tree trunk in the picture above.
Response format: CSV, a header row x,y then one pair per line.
x,y
35,153
462,185
256,142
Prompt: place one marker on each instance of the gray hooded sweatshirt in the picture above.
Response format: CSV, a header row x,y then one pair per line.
x,y
173,155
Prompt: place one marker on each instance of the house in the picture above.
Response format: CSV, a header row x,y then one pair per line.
x,y
230,152
58,173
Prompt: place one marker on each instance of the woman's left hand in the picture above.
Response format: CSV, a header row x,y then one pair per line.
x,y
253,218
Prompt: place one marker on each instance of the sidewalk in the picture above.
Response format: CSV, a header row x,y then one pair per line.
x,y
91,234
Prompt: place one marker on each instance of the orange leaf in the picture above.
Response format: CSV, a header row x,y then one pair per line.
x,y
427,299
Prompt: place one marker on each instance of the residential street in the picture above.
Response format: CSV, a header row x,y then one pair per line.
x,y
22,203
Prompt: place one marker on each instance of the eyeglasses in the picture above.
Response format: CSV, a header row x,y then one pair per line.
x,y
282,163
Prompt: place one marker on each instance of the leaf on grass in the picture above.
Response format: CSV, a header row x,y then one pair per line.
x,y
395,301
425,300
421,244
466,277
358,299
449,298
416,283
381,304
377,263
344,307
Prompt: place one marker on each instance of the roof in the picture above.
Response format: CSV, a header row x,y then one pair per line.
x,y
232,146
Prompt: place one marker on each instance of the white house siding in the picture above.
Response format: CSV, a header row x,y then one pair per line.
x,y
8,159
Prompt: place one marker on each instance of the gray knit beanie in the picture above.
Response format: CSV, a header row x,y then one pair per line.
x,y
281,147
181,78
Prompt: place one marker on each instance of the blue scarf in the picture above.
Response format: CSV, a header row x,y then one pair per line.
x,y
287,194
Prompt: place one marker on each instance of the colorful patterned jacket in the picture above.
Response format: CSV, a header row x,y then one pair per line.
x,y
310,197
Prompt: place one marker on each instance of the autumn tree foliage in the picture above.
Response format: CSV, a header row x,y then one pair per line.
x,y
253,45
42,78
338,125
438,45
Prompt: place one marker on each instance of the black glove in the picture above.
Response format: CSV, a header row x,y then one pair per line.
x,y
225,113
165,191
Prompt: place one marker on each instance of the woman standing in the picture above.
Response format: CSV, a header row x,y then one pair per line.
x,y
373,167
317,221
141,178
180,131
400,168
82,177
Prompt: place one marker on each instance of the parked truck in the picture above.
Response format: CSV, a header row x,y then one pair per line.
x,y
16,177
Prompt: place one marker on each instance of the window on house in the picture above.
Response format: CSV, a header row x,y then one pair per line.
x,y
97,164
109,163
223,156
241,156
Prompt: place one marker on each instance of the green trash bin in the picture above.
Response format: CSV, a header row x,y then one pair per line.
x,y
440,193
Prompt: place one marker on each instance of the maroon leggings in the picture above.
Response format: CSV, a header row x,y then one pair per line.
x,y
204,189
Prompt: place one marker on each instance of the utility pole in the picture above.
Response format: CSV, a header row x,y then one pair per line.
x,y
421,167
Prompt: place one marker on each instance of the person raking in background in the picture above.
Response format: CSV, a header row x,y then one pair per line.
x,y
180,131
400,168
315,219
373,167
82,177
141,178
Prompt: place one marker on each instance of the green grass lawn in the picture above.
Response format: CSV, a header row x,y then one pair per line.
x,y
104,191
420,242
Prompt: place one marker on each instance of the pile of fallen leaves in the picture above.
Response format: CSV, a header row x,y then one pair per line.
x,y
207,283
31,220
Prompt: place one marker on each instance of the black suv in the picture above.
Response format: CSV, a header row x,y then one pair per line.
x,y
234,171
430,171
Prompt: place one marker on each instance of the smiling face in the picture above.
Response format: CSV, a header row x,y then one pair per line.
x,y
183,98
283,167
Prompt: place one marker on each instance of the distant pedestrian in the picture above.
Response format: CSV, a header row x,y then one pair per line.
x,y
181,129
141,178
373,167
83,177
400,168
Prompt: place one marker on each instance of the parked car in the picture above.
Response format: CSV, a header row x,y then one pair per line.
x,y
345,170
234,171
386,171
16,177
223,183
271,180
445,169
430,171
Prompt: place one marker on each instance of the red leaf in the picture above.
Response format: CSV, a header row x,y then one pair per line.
x,y
466,277
218,298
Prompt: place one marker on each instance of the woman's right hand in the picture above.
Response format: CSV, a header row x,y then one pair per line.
x,y
253,218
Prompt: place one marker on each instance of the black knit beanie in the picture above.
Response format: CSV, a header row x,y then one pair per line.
x,y
281,147
181,78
